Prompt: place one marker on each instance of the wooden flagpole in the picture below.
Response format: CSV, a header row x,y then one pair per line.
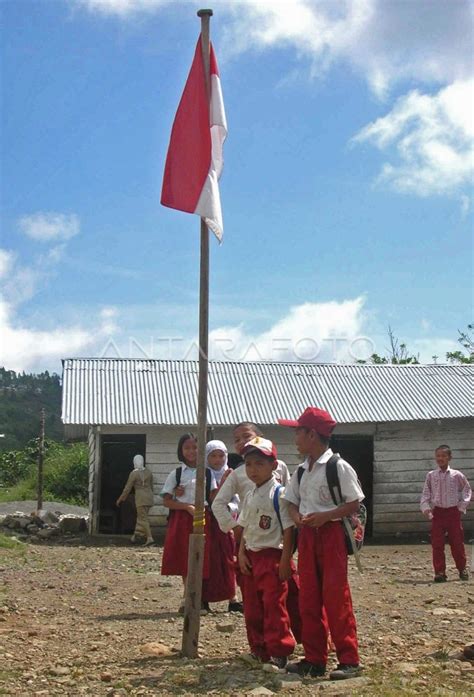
x,y
39,504
192,605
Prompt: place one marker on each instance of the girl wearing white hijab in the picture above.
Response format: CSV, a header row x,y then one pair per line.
x,y
221,582
141,481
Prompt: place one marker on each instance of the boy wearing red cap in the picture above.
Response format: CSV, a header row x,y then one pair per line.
x,y
265,554
325,597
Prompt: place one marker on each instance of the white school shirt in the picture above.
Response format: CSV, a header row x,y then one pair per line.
x,y
238,484
188,481
312,494
234,503
262,529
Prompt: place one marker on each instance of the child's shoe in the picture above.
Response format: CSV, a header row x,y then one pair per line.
x,y
464,575
235,606
344,671
306,669
440,578
250,658
278,663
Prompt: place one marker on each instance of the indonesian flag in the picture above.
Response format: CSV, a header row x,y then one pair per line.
x,y
195,154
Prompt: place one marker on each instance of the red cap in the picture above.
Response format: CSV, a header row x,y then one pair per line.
x,y
261,445
312,417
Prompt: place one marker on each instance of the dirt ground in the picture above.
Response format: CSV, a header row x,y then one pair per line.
x,y
81,617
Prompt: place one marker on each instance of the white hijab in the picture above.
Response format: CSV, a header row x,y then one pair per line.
x,y
210,447
138,462
139,465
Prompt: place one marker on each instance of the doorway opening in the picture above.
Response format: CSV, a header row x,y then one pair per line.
x,y
358,451
116,465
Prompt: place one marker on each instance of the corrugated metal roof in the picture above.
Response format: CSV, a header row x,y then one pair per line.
x,y
132,391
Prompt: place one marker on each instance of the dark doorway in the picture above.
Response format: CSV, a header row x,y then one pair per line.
x,y
117,463
358,451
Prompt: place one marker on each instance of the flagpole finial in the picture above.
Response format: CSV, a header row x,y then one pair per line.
x,y
205,13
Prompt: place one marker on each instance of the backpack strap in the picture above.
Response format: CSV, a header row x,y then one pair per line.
x,y
276,504
178,473
208,484
299,474
332,477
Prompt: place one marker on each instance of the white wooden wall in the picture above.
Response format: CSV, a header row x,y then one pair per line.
x,y
403,454
161,445
94,480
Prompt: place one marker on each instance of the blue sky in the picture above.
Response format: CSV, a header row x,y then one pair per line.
x,y
346,192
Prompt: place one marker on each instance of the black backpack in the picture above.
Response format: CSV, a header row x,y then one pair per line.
x,y
357,520
179,472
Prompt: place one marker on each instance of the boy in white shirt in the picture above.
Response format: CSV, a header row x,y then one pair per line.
x,y
265,557
325,597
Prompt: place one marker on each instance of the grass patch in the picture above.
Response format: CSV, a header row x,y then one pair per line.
x,y
10,543
23,491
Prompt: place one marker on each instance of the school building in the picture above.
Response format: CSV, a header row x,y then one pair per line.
x,y
390,419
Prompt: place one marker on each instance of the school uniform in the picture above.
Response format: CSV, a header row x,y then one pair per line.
x,y
325,597
221,582
236,487
239,485
180,526
266,615
447,494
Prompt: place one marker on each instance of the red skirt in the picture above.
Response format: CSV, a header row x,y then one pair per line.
x,y
175,552
220,585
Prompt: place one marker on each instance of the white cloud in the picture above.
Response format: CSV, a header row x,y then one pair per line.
x,y
309,332
465,205
433,349
20,282
386,43
7,260
425,324
430,141
46,227
383,41
27,349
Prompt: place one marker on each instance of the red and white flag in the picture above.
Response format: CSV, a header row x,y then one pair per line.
x,y
195,154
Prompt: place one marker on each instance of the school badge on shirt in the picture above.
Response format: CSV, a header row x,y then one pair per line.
x,y
265,522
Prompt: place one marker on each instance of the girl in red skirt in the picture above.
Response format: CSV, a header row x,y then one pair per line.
x,y
178,495
221,582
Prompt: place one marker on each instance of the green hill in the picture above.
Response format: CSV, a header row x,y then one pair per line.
x,y
21,398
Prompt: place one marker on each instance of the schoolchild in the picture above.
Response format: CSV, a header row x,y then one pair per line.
x,y
221,582
446,495
236,483
325,597
181,507
265,560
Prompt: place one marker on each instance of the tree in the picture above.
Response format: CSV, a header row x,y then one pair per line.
x,y
397,353
467,342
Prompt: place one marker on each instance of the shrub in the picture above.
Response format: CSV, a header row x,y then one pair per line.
x,y
65,474
15,465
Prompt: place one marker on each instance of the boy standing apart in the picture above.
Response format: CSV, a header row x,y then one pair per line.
x,y
325,597
446,494
265,554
